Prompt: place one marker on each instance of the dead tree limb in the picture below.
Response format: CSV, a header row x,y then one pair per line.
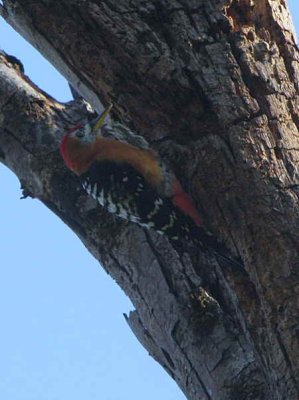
x,y
220,80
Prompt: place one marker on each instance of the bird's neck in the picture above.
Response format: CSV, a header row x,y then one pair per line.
x,y
79,157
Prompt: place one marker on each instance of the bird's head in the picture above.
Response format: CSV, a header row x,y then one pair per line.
x,y
80,138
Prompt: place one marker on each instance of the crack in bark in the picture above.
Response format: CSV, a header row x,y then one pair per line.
x,y
287,358
16,138
251,167
163,267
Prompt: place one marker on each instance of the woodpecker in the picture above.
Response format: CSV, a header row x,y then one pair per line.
x,y
134,184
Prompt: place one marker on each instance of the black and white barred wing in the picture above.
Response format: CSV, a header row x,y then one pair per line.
x,y
122,191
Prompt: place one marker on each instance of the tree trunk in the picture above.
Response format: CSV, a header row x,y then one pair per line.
x,y
218,82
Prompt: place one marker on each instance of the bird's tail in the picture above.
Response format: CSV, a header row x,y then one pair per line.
x,y
197,236
209,243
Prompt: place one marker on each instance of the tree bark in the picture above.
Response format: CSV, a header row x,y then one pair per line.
x,y
218,82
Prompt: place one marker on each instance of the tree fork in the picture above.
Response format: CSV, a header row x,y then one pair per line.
x,y
221,79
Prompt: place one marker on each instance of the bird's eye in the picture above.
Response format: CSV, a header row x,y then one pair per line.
x,y
80,133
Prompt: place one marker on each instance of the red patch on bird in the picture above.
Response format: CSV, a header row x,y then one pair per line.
x,y
74,128
64,141
184,202
63,146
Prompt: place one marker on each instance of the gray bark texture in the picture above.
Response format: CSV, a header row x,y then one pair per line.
x,y
218,81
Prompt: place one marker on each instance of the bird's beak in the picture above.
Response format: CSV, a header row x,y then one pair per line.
x,y
101,119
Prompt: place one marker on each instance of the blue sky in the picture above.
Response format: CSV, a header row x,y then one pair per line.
x,y
63,335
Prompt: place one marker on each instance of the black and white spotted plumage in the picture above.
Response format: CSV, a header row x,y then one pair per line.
x,y
122,191
131,181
